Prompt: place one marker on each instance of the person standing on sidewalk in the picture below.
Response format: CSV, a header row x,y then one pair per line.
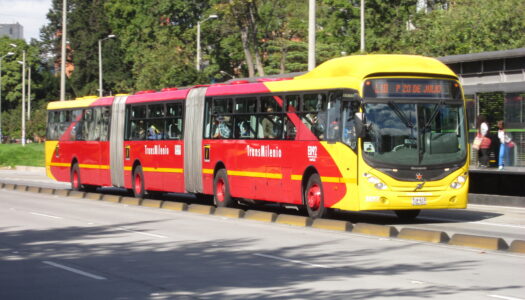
x,y
502,141
484,141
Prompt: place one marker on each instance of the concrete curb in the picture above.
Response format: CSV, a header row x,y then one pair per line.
x,y
332,225
33,189
482,242
293,220
174,206
21,188
77,194
373,229
151,203
48,191
517,246
93,196
261,216
130,201
112,198
228,212
465,240
423,235
201,209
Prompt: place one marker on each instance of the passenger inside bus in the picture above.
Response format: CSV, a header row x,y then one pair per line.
x,y
222,127
267,124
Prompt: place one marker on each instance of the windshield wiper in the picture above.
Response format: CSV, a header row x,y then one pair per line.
x,y
434,114
401,115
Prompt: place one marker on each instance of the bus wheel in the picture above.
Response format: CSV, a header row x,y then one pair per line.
x,y
407,215
75,178
138,182
221,190
313,197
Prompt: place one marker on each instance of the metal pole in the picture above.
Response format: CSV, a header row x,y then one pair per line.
x,y
29,93
198,65
362,26
311,35
63,55
100,68
23,98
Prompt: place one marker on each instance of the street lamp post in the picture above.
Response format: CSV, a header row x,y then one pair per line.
x,y
29,93
63,54
198,63
100,62
23,63
2,58
362,26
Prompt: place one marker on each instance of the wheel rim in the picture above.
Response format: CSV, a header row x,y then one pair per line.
x,y
313,197
76,182
138,184
221,190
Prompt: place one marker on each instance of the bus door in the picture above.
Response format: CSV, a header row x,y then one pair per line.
x,y
89,150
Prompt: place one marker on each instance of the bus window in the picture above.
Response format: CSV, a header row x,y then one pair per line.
x,y
245,126
76,131
137,130
292,103
155,129
246,105
174,109
270,125
267,102
349,130
222,106
222,127
138,112
334,116
312,105
174,129
289,129
104,123
156,111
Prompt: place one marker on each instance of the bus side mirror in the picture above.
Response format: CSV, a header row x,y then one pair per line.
x,y
361,127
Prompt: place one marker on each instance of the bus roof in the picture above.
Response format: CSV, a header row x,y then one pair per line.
x,y
363,66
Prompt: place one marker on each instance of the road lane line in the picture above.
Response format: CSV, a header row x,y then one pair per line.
x,y
77,271
504,297
44,215
144,233
474,222
291,260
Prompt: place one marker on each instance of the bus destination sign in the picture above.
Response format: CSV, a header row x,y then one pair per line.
x,y
411,88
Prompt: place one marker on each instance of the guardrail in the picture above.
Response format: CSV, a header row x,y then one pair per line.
x,y
385,231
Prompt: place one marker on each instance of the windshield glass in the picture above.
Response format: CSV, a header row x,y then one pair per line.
x,y
414,134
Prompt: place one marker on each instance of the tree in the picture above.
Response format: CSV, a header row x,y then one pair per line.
x,y
467,26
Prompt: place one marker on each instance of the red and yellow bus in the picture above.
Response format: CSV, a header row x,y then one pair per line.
x,y
366,132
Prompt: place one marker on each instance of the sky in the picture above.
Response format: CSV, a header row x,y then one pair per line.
x,y
31,14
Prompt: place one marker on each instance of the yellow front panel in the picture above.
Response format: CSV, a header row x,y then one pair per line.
x,y
49,150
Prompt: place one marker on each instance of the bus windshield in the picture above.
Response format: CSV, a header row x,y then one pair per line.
x,y
414,134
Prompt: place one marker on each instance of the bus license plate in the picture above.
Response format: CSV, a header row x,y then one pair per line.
x,y
419,200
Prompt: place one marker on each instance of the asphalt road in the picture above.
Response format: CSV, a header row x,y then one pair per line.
x,y
53,247
483,220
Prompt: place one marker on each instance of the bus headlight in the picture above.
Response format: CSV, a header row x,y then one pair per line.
x,y
458,183
378,184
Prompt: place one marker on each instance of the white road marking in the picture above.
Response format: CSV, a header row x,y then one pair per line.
x,y
475,222
74,270
144,233
44,215
504,297
292,260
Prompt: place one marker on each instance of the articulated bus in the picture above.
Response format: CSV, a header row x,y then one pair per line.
x,y
365,132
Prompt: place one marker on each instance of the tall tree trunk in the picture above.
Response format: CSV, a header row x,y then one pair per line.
x,y
252,8
247,52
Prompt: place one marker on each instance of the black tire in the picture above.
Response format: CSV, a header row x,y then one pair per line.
x,y
221,190
407,215
313,197
76,184
137,183
90,188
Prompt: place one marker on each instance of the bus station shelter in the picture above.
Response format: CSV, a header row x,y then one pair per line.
x,y
494,86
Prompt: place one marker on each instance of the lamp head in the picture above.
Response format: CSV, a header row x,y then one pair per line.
x,y
213,17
